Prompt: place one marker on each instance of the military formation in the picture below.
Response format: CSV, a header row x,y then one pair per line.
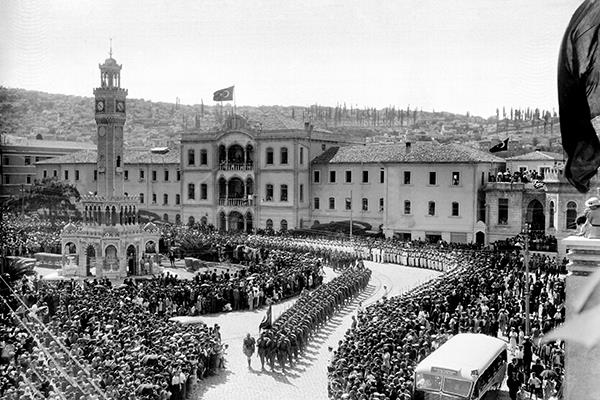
x,y
289,335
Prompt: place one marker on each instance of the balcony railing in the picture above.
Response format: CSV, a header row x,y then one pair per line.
x,y
223,166
224,201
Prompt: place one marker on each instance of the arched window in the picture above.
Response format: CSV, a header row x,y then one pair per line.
x,y
166,217
269,156
191,220
177,219
284,225
203,221
269,224
551,215
571,215
284,155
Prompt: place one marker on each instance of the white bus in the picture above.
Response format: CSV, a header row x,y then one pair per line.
x,y
465,367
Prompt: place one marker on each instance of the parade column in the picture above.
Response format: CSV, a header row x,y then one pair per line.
x,y
582,371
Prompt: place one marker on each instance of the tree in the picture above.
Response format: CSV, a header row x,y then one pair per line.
x,y
48,194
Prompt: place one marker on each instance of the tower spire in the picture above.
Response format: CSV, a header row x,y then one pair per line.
x,y
110,51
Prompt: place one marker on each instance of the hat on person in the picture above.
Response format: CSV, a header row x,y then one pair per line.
x,y
592,202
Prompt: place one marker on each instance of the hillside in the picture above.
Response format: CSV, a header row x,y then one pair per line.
x,y
25,113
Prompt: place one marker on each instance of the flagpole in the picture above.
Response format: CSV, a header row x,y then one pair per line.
x,y
233,97
351,214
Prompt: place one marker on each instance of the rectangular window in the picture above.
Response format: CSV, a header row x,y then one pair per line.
x,y
27,160
269,156
178,175
365,177
153,176
191,157
381,175
455,209
432,178
66,175
203,191
269,192
28,179
455,178
365,204
142,174
301,194
203,157
284,193
177,199
7,179
37,158
332,203
165,199
284,155
191,191
332,176
55,173
76,174
431,208
381,204
153,198
95,174
5,161
348,203
45,174
166,175
407,209
142,198
126,174
316,203
407,177
348,176
317,176
301,155
502,211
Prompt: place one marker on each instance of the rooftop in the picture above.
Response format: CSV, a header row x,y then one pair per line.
x,y
537,156
420,152
48,144
130,156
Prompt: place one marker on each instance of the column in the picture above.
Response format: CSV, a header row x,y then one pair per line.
x,y
582,375
226,192
245,224
226,222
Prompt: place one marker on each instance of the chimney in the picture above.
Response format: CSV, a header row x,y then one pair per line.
x,y
408,147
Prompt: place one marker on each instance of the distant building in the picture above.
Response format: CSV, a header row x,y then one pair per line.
x,y
248,174
154,178
19,156
538,160
417,190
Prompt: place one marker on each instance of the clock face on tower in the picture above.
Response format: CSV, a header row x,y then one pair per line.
x,y
120,106
99,105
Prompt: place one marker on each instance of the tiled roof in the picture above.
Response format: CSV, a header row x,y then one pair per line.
x,y
130,156
537,156
51,144
421,152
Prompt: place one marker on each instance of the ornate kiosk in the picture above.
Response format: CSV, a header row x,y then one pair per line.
x,y
111,240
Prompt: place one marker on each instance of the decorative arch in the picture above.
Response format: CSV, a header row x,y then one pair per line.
x,y
70,248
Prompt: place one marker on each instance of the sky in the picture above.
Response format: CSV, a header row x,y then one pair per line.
x,y
447,55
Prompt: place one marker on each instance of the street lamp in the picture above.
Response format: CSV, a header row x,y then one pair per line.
x,y
526,292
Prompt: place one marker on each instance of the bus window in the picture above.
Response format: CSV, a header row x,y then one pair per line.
x,y
457,387
429,382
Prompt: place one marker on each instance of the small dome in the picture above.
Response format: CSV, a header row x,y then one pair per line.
x,y
110,61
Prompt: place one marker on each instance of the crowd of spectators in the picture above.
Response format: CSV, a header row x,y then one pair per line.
x,y
29,234
525,176
538,241
482,294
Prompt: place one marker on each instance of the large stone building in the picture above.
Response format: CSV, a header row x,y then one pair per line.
x,y
18,158
251,174
154,178
417,190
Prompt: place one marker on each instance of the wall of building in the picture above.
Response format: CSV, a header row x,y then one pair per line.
x,y
134,185
372,191
443,193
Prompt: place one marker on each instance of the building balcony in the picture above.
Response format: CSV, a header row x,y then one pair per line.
x,y
225,166
235,202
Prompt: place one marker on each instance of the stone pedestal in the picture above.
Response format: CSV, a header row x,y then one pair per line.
x,y
582,365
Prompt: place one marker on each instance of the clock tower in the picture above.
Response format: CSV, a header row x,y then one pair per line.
x,y
110,241
110,117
